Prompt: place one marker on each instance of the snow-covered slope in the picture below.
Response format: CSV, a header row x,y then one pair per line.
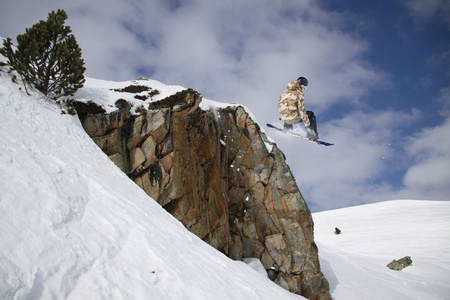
x,y
73,226
372,236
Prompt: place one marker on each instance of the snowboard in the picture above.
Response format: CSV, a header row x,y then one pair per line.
x,y
298,136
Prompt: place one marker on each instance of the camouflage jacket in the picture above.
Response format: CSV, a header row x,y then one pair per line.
x,y
291,105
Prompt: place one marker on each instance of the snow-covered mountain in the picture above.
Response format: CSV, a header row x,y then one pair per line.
x,y
73,226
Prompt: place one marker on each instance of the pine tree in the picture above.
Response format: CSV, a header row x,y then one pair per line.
x,y
48,57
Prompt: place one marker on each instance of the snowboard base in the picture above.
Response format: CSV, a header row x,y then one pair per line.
x,y
298,136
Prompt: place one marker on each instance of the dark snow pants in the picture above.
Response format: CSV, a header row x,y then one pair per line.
x,y
312,121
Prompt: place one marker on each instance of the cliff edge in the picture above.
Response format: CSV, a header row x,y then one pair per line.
x,y
214,170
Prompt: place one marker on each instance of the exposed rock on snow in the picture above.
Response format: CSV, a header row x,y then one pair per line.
x,y
400,264
214,170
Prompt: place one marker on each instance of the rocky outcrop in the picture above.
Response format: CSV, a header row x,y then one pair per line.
x,y
400,264
216,172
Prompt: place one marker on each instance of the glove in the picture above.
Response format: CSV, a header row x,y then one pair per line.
x,y
311,134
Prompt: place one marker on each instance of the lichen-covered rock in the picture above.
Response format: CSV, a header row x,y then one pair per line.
x,y
400,264
218,174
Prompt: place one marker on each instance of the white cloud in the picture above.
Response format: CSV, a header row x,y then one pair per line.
x,y
424,10
430,175
246,52
444,98
233,51
358,168
354,170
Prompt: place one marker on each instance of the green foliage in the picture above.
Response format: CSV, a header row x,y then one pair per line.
x,y
67,106
72,111
174,99
48,57
122,104
84,109
140,109
135,89
143,98
153,93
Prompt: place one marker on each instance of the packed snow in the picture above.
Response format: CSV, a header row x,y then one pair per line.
x,y
73,226
105,93
372,236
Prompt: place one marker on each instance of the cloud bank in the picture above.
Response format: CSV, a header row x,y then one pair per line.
x,y
229,51
246,52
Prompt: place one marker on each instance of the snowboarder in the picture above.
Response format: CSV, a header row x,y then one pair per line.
x,y
292,109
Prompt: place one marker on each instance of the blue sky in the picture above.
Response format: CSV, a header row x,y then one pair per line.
x,y
378,71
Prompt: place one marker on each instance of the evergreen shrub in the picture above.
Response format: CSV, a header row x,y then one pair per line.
x,y
48,57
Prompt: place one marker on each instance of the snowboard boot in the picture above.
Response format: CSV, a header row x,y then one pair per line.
x,y
312,130
311,134
288,127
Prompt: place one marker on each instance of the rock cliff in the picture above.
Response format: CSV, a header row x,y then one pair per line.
x,y
217,173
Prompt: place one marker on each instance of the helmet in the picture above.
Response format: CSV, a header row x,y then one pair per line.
x,y
303,81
